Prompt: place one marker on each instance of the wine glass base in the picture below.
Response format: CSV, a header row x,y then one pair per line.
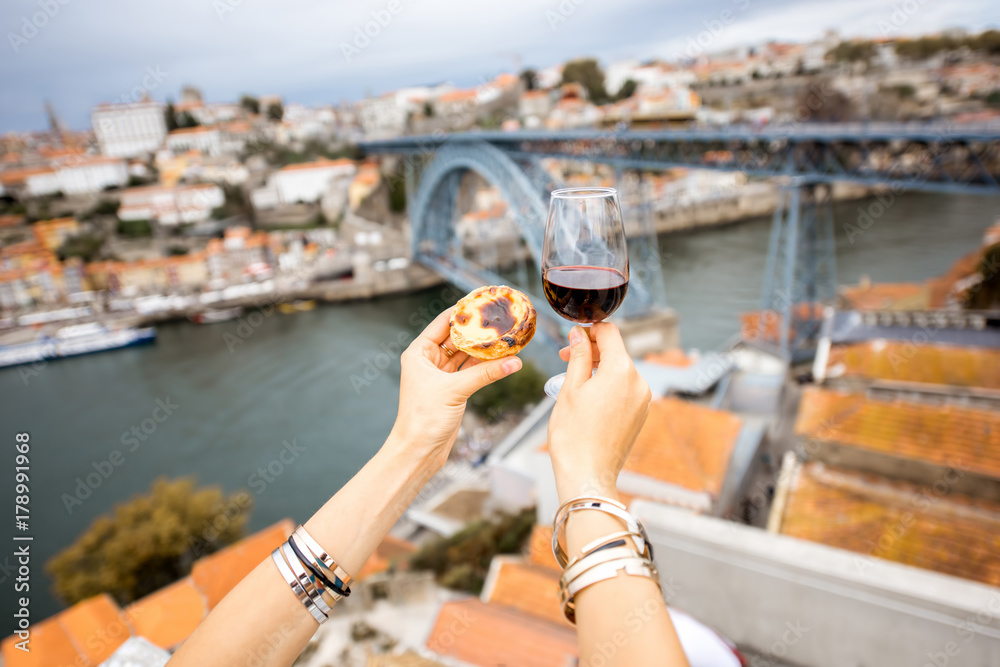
x,y
554,384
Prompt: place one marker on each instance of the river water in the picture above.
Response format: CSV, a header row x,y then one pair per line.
x,y
301,379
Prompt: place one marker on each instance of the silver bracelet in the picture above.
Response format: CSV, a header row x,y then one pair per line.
x,y
592,559
293,582
607,506
336,573
639,567
330,596
604,543
306,580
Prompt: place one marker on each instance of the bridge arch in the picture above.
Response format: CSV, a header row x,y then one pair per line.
x,y
432,213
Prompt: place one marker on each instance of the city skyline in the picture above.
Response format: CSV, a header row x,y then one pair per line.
x,y
222,46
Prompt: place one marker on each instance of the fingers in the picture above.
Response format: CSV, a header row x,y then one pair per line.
x,y
474,377
610,344
595,353
581,358
438,330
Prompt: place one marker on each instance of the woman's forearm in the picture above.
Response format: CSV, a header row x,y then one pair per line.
x,y
261,621
620,621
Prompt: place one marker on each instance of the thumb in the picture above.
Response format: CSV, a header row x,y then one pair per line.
x,y
581,358
471,380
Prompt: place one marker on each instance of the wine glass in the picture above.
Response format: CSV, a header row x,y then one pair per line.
x,y
584,258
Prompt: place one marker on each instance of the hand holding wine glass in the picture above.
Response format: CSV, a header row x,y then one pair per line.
x,y
584,258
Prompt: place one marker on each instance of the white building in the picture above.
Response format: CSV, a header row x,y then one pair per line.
x,y
171,206
303,182
382,117
228,138
92,174
654,75
129,130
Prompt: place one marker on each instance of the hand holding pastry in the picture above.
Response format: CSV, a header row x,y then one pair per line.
x,y
435,383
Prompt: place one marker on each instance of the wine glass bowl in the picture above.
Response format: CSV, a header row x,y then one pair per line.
x,y
584,257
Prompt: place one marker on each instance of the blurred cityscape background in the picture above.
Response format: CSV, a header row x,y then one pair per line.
x,y
221,223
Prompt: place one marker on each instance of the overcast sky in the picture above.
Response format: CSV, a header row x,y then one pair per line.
x,y
91,51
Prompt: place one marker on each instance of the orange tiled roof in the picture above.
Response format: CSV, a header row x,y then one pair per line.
x,y
458,96
217,574
670,357
887,296
540,548
872,515
946,435
390,550
96,627
168,616
902,361
530,589
484,634
18,176
322,163
50,647
11,220
198,129
685,444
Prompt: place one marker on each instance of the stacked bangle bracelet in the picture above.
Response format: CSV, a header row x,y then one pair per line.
x,y
627,551
313,575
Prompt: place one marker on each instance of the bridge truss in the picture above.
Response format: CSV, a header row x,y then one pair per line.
x,y
806,159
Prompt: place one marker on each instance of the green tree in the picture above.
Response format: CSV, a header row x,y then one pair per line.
x,y
627,90
529,78
275,112
462,561
853,51
148,542
250,103
135,228
187,120
396,182
587,73
171,115
84,246
511,393
985,295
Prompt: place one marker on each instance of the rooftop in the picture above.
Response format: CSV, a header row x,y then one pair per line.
x,y
963,438
87,633
902,361
487,634
950,533
319,164
527,588
685,444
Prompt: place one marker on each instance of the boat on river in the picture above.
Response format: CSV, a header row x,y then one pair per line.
x,y
73,341
216,315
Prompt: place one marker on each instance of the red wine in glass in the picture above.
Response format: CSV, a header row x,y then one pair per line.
x,y
584,294
584,258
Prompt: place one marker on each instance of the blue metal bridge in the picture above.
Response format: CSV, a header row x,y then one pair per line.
x,y
805,159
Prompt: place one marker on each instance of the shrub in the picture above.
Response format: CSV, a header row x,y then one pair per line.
x,y
462,561
148,542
